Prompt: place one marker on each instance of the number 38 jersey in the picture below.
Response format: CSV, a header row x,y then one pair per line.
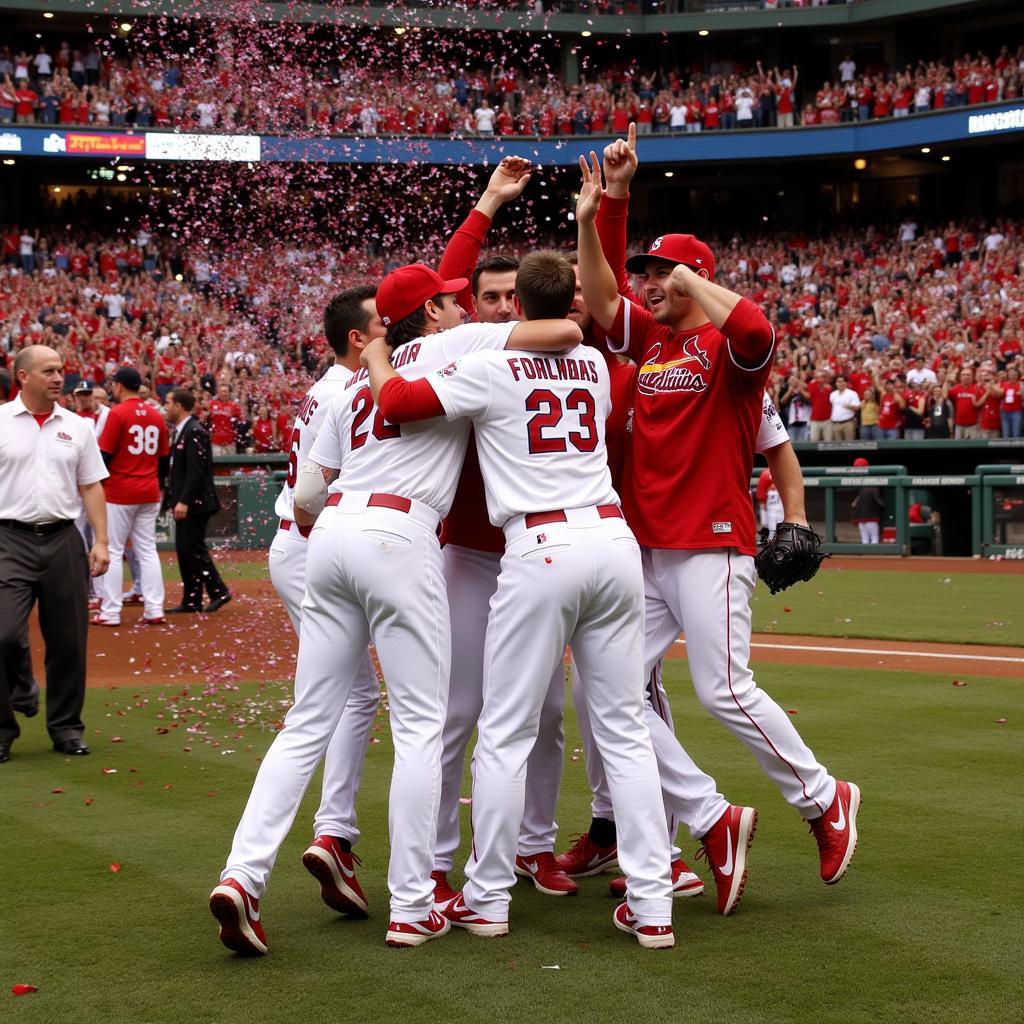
x,y
540,427
135,434
308,421
420,461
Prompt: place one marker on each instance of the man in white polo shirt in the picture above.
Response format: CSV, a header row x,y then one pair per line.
x,y
49,461
845,402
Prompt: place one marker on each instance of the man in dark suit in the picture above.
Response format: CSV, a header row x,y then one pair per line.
x,y
193,498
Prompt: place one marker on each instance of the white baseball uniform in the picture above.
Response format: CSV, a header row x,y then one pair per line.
x,y
472,561
771,433
99,421
373,571
570,574
346,753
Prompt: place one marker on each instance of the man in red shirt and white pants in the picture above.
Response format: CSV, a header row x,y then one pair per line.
x,y
704,355
133,443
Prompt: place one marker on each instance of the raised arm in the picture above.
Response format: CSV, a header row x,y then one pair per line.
x,y
739,319
600,289
461,254
619,166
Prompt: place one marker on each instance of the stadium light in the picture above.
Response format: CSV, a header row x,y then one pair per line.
x,y
399,30
56,189
703,32
945,159
859,164
8,163
926,149
669,174
48,14
122,177
586,33
125,26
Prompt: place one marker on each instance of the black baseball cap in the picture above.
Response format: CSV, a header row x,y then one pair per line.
x,y
129,377
83,387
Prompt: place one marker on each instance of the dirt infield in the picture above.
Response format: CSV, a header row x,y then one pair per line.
x,y
251,639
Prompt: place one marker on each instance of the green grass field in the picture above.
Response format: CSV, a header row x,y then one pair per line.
x,y
942,607
925,927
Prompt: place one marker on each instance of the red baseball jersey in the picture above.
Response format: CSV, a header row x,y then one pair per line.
x,y
223,416
136,436
696,416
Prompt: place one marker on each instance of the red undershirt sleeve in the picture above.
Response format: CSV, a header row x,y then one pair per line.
x,y
611,229
406,401
462,252
750,335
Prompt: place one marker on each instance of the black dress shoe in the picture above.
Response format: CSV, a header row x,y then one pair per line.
x,y
5,752
182,609
73,747
217,602
29,709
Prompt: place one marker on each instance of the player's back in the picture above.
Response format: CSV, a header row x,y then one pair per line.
x,y
136,436
540,427
308,420
419,461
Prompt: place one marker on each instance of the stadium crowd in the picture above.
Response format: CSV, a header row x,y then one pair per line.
x,y
882,334
75,87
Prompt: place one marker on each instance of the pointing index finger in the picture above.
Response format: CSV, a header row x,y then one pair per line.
x,y
631,136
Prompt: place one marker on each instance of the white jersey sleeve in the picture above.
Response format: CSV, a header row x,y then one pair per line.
x,y
772,431
308,423
540,427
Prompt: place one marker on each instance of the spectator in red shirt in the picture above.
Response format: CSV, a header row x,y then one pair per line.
x,y
989,418
263,431
968,397
890,410
225,418
819,391
1010,403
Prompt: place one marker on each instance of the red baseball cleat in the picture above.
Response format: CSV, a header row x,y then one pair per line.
x,y
650,936
684,882
332,867
415,933
94,604
546,875
157,620
98,620
130,598
239,917
443,892
836,832
462,917
585,858
725,849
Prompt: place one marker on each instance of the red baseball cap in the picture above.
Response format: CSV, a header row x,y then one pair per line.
x,y
406,289
861,462
686,249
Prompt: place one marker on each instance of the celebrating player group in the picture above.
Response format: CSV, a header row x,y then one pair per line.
x,y
509,459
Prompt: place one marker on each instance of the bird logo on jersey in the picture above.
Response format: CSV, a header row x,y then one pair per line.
x,y
675,375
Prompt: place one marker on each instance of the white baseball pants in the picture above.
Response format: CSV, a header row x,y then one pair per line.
x,y
690,795
371,573
136,523
472,577
346,753
706,593
578,582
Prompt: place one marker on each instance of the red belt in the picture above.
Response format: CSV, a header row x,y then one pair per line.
x,y
378,501
287,524
558,515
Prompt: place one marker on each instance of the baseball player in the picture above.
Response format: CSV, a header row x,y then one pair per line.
x,y
374,572
350,320
570,573
704,354
472,550
769,503
135,446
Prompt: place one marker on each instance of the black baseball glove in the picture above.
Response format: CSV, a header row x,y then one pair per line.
x,y
792,555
